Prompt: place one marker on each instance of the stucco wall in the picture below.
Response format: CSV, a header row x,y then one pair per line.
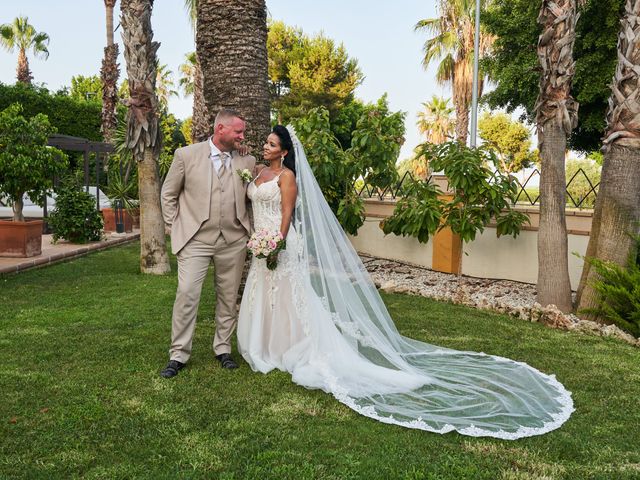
x,y
371,240
487,256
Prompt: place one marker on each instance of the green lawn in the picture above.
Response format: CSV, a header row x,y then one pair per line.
x,y
82,343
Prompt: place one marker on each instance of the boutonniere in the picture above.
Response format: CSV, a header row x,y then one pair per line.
x,y
245,175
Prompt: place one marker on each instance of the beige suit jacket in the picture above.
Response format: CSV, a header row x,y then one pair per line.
x,y
186,191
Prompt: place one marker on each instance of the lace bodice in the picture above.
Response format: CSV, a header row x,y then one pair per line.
x,y
266,201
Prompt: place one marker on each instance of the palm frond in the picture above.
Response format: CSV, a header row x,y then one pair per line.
x,y
446,67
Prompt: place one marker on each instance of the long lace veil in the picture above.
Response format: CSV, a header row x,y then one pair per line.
x,y
472,393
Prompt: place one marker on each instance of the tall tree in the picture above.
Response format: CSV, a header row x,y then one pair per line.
x,y
231,43
109,73
21,35
436,120
509,139
200,127
451,43
307,72
557,115
143,134
617,212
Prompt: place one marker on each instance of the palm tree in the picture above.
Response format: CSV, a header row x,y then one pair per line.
x,y
109,74
22,35
200,128
143,134
188,72
164,86
451,44
557,115
617,211
231,42
435,121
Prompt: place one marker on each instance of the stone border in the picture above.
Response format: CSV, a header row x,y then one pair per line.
x,y
511,298
48,259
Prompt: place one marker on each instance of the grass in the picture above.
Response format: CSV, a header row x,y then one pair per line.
x,y
82,344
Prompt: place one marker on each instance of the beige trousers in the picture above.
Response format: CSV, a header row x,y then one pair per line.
x,y
193,263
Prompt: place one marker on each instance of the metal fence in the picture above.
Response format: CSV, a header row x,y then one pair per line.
x,y
581,190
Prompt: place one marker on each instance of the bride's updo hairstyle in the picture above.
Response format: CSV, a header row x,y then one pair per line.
x,y
286,144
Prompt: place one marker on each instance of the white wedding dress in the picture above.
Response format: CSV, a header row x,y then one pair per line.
x,y
319,317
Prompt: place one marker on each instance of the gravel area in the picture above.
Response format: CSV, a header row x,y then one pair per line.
x,y
515,299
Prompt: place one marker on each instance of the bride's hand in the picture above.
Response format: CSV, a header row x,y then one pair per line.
x,y
243,150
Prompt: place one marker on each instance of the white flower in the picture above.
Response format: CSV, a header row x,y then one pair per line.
x,y
245,175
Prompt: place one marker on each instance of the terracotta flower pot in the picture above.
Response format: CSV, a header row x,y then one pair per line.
x,y
20,239
135,215
109,217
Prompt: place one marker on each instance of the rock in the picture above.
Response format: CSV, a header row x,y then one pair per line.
x,y
515,299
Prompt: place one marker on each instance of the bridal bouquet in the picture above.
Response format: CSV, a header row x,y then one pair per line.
x,y
267,244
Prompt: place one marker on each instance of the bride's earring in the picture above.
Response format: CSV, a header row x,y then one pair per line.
x,y
281,161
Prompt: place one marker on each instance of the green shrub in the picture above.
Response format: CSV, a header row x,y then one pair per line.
x,y
417,214
480,194
375,144
68,115
619,290
75,217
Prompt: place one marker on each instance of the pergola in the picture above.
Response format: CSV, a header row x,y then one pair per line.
x,y
78,144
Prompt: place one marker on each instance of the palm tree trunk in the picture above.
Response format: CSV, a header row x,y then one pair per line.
x,y
143,135
153,249
462,93
200,126
617,210
462,122
557,115
554,286
616,217
231,44
109,74
23,74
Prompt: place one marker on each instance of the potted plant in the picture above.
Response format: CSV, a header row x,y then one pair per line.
x,y
27,166
121,190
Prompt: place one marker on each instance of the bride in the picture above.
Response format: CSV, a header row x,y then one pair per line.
x,y
318,316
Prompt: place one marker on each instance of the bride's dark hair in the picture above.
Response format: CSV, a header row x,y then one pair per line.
x,y
286,144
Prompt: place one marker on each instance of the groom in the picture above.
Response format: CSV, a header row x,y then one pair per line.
x,y
204,203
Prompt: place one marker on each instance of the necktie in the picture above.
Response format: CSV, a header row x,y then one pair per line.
x,y
223,164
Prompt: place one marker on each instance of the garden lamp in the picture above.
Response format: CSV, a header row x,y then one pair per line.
x,y
118,213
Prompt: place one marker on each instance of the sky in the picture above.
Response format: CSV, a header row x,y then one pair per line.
x,y
379,34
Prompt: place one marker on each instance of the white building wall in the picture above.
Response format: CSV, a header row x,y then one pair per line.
x,y
486,257
371,240
516,259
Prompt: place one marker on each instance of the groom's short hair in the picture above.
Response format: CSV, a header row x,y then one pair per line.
x,y
225,115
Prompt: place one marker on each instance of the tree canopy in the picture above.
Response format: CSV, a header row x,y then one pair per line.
x,y
307,72
510,140
86,88
513,64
